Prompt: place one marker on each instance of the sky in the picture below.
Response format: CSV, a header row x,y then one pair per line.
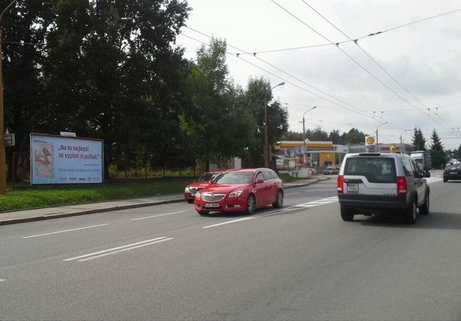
x,y
385,66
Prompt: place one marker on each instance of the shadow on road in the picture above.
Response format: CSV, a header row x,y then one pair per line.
x,y
435,220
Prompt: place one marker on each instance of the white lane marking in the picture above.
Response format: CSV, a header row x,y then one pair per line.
x,y
64,231
324,201
154,216
95,255
2,280
233,221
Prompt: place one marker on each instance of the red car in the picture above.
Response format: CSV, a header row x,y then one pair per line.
x,y
241,190
201,182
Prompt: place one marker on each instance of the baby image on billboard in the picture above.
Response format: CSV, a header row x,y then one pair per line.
x,y
43,159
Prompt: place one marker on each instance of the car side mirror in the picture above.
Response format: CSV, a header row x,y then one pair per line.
x,y
259,181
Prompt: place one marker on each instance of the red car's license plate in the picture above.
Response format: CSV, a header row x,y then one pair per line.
x,y
212,205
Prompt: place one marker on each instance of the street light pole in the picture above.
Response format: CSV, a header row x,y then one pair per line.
x,y
304,135
2,127
377,150
266,134
401,141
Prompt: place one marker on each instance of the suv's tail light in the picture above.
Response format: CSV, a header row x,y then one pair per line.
x,y
340,184
401,185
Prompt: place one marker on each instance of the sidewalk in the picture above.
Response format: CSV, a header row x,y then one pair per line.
x,y
69,210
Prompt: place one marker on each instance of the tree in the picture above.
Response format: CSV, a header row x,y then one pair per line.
x,y
437,152
419,142
22,75
218,122
317,134
354,136
335,137
256,94
291,135
457,153
110,72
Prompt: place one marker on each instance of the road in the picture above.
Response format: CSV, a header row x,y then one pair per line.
x,y
301,262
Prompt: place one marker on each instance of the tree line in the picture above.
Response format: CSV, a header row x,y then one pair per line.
x,y
110,69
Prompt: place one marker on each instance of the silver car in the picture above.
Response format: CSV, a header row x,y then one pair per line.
x,y
377,183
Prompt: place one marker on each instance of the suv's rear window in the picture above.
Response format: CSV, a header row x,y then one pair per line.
x,y
375,169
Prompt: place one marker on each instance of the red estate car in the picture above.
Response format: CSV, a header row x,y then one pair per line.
x,y
201,182
241,190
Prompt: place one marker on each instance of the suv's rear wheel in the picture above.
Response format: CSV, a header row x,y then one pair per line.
x,y
347,214
424,209
410,214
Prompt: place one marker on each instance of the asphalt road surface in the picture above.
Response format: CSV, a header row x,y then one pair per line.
x,y
301,262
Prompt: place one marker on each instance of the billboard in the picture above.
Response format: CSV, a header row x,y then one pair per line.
x,y
65,160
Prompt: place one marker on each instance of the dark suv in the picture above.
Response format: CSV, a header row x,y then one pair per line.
x,y
376,183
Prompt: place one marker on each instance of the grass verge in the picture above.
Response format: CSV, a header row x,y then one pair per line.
x,y
117,189
55,196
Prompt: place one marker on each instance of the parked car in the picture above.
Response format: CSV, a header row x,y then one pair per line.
x,y
198,184
331,170
452,172
382,183
241,190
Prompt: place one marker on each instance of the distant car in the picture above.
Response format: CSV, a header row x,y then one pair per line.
x,y
452,172
241,190
201,182
330,170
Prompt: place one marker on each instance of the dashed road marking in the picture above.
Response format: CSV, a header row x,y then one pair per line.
x,y
115,250
320,202
64,231
158,215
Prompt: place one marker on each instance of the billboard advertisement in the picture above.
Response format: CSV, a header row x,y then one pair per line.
x,y
65,160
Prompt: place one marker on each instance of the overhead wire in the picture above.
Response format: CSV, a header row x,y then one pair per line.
x,y
358,110
337,45
350,40
376,63
349,56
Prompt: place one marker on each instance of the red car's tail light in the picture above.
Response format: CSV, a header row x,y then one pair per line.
x,y
401,185
340,184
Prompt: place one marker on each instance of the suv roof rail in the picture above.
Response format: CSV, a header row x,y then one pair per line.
x,y
369,154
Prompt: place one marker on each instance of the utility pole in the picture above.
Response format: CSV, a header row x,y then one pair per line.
x,y
2,127
266,130
377,147
304,136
